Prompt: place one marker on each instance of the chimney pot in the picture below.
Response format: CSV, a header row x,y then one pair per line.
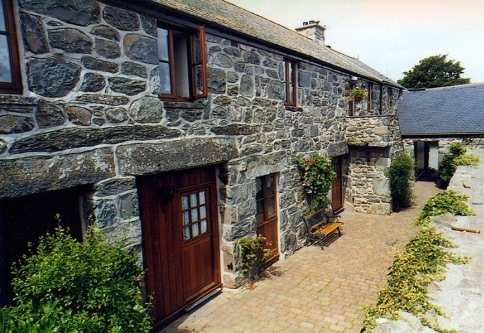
x,y
305,23
311,22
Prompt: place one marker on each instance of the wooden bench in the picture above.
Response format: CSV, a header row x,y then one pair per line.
x,y
319,225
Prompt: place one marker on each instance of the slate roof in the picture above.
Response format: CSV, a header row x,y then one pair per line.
x,y
219,13
446,111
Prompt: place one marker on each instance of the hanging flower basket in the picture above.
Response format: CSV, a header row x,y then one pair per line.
x,y
357,94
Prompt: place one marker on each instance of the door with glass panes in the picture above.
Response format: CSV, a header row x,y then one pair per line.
x,y
180,238
266,217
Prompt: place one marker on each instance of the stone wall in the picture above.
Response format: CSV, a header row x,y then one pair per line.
x,y
90,115
368,184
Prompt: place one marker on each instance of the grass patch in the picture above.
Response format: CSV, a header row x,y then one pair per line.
x,y
423,261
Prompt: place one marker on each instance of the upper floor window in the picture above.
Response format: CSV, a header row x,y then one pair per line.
x,y
370,97
10,81
290,82
390,95
182,63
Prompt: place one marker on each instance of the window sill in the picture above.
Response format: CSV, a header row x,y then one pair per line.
x,y
293,108
183,105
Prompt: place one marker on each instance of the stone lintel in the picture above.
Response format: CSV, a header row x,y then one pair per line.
x,y
24,176
151,158
337,148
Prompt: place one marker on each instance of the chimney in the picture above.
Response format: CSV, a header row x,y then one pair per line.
x,y
313,30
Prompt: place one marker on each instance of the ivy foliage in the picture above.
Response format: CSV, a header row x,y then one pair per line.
x,y
401,175
452,160
445,202
68,286
423,261
317,176
434,71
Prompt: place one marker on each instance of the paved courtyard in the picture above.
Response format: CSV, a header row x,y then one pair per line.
x,y
314,290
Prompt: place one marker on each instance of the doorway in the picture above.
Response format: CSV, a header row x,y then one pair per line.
x,y
266,217
337,195
180,238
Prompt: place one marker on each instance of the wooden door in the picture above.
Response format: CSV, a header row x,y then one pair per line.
x,y
180,238
266,198
337,197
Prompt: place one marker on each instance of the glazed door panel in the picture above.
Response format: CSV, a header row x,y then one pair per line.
x,y
337,197
180,238
266,198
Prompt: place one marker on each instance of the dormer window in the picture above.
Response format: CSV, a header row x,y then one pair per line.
x,y
182,63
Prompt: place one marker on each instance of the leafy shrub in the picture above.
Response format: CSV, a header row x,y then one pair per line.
x,y
94,284
445,202
317,174
451,161
401,174
254,252
423,261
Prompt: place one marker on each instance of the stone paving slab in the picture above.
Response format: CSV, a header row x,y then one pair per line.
x,y
315,290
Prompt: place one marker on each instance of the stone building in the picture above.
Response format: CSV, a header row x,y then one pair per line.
x,y
431,119
176,124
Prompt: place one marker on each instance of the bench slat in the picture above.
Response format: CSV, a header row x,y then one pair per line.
x,y
328,228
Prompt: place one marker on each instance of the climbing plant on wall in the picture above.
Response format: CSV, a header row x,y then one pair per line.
x,y
317,176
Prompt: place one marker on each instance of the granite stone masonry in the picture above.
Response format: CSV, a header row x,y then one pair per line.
x,y
91,114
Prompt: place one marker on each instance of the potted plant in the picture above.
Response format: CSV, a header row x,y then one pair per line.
x,y
357,94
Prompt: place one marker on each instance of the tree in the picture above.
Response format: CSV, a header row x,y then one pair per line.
x,y
434,71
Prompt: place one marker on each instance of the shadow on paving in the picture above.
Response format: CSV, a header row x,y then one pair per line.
x,y
315,290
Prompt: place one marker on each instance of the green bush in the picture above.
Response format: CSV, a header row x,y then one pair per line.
x,y
401,175
254,252
93,284
451,161
423,261
317,175
447,201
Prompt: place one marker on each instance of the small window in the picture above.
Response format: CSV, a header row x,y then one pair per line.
x,y
290,82
390,99
370,97
10,81
351,102
182,64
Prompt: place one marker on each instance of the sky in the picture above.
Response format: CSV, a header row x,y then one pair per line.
x,y
391,36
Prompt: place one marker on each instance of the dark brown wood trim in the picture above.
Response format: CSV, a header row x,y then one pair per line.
x,y
14,87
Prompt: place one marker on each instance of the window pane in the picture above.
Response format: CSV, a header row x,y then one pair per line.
x,y
193,200
195,230
2,17
165,80
5,70
186,217
259,193
204,226
196,50
185,202
270,185
290,97
163,44
270,206
194,215
186,232
203,212
290,69
198,79
202,197
260,211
